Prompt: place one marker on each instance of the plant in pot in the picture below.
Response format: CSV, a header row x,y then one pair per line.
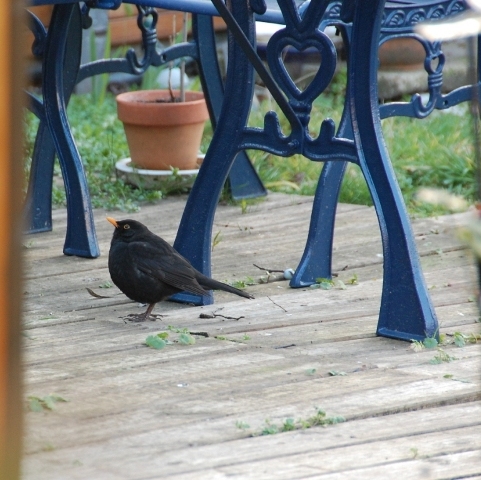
x,y
164,127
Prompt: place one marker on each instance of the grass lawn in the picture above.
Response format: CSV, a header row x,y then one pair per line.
x,y
434,152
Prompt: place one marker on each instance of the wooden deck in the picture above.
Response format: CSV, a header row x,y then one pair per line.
x,y
138,413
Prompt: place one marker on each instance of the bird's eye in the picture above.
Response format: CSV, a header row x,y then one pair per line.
x,y
126,226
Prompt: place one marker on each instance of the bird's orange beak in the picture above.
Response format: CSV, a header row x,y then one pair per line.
x,y
113,222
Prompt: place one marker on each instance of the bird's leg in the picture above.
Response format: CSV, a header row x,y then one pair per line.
x,y
143,316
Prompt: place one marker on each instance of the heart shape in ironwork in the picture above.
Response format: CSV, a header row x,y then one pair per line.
x,y
317,41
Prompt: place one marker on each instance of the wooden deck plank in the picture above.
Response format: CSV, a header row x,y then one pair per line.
x,y
392,459
408,436
134,412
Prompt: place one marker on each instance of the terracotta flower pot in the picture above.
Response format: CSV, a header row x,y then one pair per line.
x,y
162,134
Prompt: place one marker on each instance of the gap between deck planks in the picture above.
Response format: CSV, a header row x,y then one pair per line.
x,y
137,413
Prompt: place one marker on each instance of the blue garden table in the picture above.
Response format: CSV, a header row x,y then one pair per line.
x,y
406,311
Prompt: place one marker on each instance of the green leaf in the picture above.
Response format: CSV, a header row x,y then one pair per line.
x,y
49,402
334,373
270,429
163,335
38,404
430,342
334,420
186,339
240,424
325,283
442,356
310,371
288,425
459,339
35,404
154,341
353,280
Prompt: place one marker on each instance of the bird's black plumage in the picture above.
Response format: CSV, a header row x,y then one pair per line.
x,y
148,270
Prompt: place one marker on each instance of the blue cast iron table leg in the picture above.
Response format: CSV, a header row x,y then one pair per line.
x,y
406,311
58,74
38,203
316,260
243,180
194,235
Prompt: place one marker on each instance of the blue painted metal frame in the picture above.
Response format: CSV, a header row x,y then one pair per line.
x,y
406,311
194,234
61,69
61,73
398,20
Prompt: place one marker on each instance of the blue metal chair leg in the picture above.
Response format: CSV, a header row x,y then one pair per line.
x,y
194,234
38,202
406,310
243,180
316,261
65,23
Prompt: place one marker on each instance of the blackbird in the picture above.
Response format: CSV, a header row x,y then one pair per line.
x,y
148,270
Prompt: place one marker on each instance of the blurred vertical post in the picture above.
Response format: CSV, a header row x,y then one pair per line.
x,y
473,45
11,81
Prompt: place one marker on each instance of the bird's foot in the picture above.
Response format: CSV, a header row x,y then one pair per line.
x,y
133,317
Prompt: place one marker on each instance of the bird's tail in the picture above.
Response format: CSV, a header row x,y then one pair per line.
x,y
211,284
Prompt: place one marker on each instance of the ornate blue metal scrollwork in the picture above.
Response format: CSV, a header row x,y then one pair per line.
x,y
401,20
301,33
433,64
149,40
398,22
60,60
39,34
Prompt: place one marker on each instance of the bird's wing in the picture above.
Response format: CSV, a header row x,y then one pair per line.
x,y
161,261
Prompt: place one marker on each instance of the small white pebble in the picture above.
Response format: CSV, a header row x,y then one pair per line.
x,y
288,273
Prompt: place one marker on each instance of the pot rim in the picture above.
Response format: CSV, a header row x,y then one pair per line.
x,y
148,96
139,108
